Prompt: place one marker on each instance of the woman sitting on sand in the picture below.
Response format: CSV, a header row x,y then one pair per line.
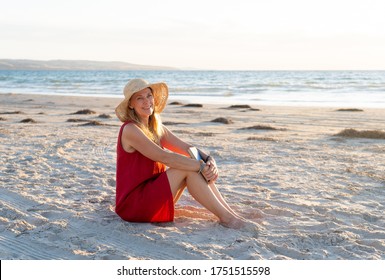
x,y
145,190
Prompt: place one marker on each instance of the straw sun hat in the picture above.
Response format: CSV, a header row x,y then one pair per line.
x,y
159,91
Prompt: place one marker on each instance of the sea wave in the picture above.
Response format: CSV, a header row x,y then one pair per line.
x,y
276,87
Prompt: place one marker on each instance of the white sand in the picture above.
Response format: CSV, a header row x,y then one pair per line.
x,y
314,195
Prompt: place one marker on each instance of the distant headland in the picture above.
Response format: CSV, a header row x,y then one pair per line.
x,y
27,64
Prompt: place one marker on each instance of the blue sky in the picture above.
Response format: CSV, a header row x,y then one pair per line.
x,y
204,34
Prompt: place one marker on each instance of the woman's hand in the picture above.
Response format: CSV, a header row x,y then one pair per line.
x,y
210,172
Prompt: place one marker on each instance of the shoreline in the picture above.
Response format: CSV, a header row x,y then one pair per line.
x,y
229,103
315,195
186,100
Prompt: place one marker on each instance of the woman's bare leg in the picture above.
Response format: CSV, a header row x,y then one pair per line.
x,y
179,193
221,199
204,194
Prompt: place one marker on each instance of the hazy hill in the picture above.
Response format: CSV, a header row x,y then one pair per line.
x,y
26,64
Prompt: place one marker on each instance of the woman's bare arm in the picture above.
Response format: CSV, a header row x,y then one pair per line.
x,y
133,137
173,143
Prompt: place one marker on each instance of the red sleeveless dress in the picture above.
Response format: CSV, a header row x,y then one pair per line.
x,y
143,193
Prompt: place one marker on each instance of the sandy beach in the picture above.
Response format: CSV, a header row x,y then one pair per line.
x,y
313,194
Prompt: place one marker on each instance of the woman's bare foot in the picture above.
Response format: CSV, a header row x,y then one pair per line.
x,y
234,222
242,224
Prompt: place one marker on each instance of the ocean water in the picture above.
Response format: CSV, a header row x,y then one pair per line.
x,y
296,88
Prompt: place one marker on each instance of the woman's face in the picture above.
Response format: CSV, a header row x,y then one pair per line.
x,y
143,103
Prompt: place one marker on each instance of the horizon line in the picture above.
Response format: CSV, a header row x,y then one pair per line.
x,y
155,67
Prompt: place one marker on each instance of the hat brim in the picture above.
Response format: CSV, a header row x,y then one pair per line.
x,y
160,93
